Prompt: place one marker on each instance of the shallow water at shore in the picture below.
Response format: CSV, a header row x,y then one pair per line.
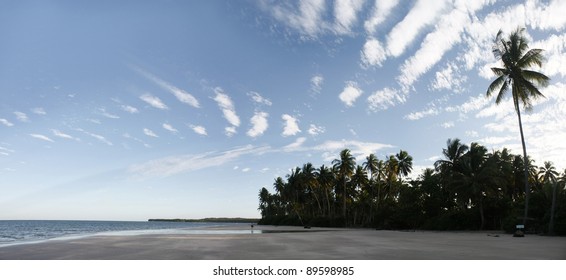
x,y
33,231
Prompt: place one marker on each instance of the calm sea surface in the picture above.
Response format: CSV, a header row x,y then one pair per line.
x,y
16,232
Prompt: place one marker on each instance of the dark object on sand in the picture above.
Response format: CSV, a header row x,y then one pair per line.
x,y
307,227
519,231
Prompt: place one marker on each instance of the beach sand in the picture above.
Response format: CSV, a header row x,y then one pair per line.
x,y
294,243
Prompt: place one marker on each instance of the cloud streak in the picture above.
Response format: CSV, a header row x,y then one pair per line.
x,y
154,101
228,110
180,94
169,166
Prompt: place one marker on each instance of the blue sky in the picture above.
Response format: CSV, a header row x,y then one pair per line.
x,y
129,110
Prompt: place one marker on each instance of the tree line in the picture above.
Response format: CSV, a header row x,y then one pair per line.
x,y
469,188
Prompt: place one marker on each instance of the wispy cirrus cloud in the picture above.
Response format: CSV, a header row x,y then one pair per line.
x,y
307,18
103,112
130,109
63,135
381,10
421,114
385,98
23,117
42,137
290,125
6,122
316,130
38,111
169,166
228,110
154,101
150,133
198,129
422,14
316,83
259,124
345,14
258,99
180,94
96,136
169,128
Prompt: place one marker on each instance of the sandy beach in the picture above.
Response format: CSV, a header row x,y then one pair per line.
x,y
294,243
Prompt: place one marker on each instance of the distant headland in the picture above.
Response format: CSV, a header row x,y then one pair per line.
x,y
208,220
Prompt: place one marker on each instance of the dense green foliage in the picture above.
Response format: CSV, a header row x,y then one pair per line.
x,y
470,188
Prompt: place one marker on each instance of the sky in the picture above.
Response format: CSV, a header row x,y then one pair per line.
x,y
130,110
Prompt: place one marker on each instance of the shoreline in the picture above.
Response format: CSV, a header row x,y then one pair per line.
x,y
238,242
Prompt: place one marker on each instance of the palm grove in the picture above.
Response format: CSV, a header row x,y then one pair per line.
x,y
469,188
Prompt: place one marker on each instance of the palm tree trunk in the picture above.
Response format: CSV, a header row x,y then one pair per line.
x,y
526,164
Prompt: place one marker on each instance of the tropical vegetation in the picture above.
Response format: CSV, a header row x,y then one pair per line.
x,y
469,188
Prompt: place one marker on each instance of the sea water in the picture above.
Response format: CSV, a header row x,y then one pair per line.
x,y
19,231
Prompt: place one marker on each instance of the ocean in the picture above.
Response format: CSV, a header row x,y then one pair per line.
x,y
21,232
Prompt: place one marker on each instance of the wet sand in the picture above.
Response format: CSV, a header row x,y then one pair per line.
x,y
295,243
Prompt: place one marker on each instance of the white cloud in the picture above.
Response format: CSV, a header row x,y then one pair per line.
x,y
447,124
359,149
257,98
180,94
200,130
103,112
154,101
150,133
290,126
474,103
449,78
130,109
380,12
295,146
63,135
97,137
172,165
307,18
39,111
128,136
446,34
6,122
230,131
422,14
41,137
316,83
21,116
421,114
350,93
316,130
169,127
345,13
373,53
247,169
227,106
259,124
385,98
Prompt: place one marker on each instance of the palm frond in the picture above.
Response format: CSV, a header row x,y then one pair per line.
x,y
536,77
495,85
502,91
531,58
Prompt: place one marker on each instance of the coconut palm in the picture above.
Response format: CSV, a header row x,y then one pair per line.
x,y
345,167
516,58
404,164
548,174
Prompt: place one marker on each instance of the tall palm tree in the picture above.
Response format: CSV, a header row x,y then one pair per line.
x,y
404,164
516,58
345,167
548,174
